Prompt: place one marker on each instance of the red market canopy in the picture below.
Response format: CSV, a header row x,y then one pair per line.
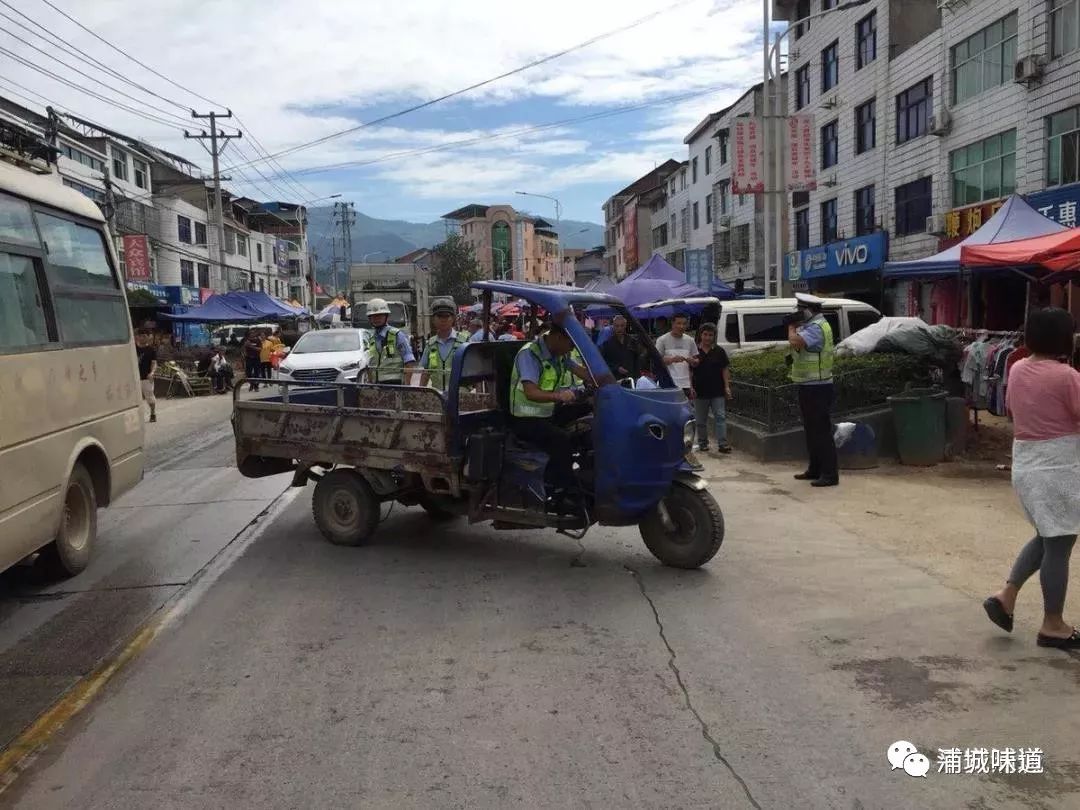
x,y
1057,252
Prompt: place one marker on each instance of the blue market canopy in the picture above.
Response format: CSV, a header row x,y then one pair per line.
x,y
238,307
1015,220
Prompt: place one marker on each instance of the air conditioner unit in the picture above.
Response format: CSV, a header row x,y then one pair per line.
x,y
935,225
830,181
1029,69
831,103
941,124
723,221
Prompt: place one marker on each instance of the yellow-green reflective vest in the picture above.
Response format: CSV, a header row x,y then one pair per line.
x,y
814,366
438,370
387,365
551,371
568,380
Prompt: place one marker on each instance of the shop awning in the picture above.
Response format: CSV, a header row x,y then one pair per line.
x,y
215,310
1015,220
1057,252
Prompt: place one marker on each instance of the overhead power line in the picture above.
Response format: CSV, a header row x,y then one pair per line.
x,y
353,164
535,63
70,49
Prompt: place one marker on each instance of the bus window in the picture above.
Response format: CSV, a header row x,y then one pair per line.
x,y
17,223
89,305
22,315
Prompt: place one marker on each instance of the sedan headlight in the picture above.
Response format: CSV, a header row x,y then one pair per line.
x,y
284,369
351,366
689,433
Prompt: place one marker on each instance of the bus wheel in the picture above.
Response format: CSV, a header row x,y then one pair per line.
x,y
69,552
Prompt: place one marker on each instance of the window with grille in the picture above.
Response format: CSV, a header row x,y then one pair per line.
x,y
708,160
204,275
1064,26
742,243
984,170
830,66
802,229
697,219
802,87
142,173
913,109
708,209
1063,147
866,40
914,203
183,230
984,60
828,221
802,11
200,233
865,217
693,170
829,145
866,126
187,273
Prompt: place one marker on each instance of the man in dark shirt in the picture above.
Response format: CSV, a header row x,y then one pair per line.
x,y
621,351
147,355
252,359
712,385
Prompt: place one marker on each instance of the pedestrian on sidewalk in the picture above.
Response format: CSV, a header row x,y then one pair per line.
x,y
270,344
147,354
221,371
811,363
712,389
252,352
679,352
1043,398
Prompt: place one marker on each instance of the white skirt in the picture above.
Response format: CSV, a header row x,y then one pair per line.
x,y
1046,477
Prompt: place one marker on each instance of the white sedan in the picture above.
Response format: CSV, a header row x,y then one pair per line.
x,y
326,356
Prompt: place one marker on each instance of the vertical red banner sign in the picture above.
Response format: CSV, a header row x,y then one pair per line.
x,y
802,166
747,176
137,257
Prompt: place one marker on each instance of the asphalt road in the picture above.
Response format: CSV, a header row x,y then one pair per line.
x,y
452,666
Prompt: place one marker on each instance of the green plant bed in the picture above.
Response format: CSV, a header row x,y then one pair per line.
x,y
769,369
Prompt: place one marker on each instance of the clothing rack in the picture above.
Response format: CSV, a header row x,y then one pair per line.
x,y
968,335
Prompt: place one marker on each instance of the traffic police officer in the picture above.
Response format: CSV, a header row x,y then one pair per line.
x,y
389,348
811,365
536,385
439,353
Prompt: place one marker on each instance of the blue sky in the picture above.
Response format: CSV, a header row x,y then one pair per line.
x,y
292,77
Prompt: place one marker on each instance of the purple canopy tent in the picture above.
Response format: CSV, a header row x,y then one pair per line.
x,y
656,280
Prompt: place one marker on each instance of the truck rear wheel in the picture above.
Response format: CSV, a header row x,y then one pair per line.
x,y
695,532
345,508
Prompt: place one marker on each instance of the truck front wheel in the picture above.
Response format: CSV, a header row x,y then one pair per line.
x,y
345,508
691,531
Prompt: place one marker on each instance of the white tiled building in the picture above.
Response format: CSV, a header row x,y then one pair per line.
x,y
925,118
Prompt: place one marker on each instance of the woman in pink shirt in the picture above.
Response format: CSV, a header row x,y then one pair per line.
x,y
1043,398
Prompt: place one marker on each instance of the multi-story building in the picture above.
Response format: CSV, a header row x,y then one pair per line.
x,y
628,221
928,114
510,244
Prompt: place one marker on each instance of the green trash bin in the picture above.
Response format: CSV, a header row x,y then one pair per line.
x,y
919,419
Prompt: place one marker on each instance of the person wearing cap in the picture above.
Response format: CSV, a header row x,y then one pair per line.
x,y
389,348
811,364
439,353
537,384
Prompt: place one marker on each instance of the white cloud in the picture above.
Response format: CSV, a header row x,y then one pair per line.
x,y
295,72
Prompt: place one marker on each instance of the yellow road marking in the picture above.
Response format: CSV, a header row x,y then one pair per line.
x,y
19,754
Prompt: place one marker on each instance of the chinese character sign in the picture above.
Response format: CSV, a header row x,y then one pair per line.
x,y
747,176
281,254
137,257
802,167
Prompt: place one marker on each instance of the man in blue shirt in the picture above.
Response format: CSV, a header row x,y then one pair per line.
x,y
477,329
439,354
811,340
389,349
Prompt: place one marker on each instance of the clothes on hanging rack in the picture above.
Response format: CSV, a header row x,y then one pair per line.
x,y
983,368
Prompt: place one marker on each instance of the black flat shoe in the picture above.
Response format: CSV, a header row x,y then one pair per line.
x,y
1070,643
805,476
995,611
826,482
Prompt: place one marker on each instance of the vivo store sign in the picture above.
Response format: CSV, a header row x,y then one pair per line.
x,y
838,258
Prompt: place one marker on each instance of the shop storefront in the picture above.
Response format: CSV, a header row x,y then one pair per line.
x,y
173,299
848,268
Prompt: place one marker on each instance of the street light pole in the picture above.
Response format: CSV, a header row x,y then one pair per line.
x,y
558,219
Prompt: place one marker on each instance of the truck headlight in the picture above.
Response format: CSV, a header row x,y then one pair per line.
x,y
689,433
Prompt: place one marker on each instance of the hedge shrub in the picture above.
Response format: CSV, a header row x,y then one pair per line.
x,y
768,368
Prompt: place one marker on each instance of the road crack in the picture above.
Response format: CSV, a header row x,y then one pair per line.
x,y
706,732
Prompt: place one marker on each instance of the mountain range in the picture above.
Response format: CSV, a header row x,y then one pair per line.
x,y
383,240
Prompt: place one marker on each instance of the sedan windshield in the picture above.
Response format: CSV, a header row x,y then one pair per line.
x,y
328,341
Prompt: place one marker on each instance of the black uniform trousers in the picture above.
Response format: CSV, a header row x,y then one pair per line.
x,y
550,436
815,402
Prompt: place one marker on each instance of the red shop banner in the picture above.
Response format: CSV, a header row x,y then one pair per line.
x,y
137,257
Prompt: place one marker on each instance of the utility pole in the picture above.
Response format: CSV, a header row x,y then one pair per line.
x,y
345,216
214,136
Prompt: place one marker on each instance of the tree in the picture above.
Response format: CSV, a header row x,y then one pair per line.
x,y
455,269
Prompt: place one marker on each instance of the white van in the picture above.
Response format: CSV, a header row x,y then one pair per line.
x,y
759,324
71,431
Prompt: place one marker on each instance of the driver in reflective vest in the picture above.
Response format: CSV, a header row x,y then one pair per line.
x,y
536,385
389,348
439,354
